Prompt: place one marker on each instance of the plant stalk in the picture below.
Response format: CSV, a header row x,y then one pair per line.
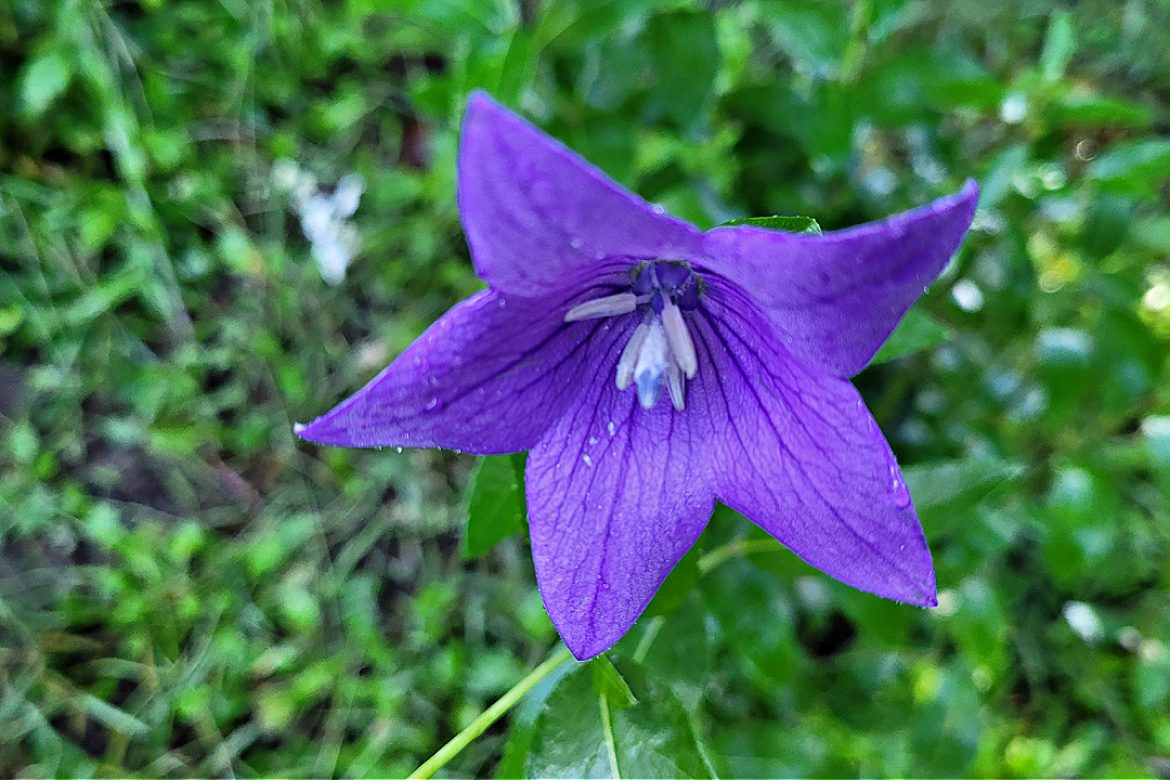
x,y
489,716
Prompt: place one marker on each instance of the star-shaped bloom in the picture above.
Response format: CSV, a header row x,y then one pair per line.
x,y
652,369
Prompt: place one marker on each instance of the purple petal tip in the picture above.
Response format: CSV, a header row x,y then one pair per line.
x,y
315,433
969,191
481,100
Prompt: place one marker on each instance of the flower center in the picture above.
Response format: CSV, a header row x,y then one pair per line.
x,y
660,355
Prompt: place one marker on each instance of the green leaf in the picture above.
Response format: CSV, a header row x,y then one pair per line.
x,y
1155,431
46,77
1059,46
1080,109
108,294
678,585
917,331
949,485
678,649
516,69
523,726
1107,221
495,505
614,69
1136,167
811,33
608,682
684,52
111,717
581,734
787,224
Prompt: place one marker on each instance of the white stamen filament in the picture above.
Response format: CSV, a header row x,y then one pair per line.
x,y
608,306
625,368
680,339
676,386
650,369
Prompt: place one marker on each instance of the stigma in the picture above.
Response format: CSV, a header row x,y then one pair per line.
x,y
659,356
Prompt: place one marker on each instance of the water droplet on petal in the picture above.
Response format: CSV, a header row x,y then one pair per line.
x,y
611,428
432,404
898,486
575,242
398,449
592,440
501,303
588,460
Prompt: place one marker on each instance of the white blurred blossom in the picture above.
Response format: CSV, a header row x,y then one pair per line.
x,y
324,216
1014,108
967,295
1083,620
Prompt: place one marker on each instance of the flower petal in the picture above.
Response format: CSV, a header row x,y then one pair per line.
x,y
616,496
538,217
490,376
835,298
801,456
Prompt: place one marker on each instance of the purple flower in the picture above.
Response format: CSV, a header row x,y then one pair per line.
x,y
652,369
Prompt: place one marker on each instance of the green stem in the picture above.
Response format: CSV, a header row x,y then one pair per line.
x,y
652,629
489,716
735,549
859,22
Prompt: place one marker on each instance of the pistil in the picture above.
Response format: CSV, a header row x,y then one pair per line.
x,y
654,358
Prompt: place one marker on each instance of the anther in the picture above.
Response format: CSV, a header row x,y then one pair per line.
x,y
680,339
629,358
676,387
609,306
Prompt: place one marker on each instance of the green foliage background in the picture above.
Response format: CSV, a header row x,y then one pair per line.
x,y
186,589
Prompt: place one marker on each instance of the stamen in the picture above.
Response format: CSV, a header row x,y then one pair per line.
x,y
653,360
659,356
609,306
625,368
680,339
676,386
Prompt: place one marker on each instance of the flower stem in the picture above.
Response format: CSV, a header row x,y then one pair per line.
x,y
734,549
489,716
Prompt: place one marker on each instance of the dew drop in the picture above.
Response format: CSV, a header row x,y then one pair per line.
x,y
398,449
611,428
592,440
432,404
501,303
575,242
588,460
658,208
898,486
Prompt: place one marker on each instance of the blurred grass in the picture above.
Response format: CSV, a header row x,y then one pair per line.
x,y
187,590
